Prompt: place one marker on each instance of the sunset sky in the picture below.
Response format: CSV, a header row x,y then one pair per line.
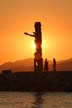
x,y
19,16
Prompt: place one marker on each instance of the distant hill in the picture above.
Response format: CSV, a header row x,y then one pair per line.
x,y
65,65
20,65
27,65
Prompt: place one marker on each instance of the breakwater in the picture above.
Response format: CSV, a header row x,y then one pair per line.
x,y
31,81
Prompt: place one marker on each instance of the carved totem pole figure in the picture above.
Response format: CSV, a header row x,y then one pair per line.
x,y
38,60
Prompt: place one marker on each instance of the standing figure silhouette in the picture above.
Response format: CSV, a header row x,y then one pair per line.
x,y
54,64
46,66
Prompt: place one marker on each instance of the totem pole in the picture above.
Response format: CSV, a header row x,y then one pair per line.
x,y
38,60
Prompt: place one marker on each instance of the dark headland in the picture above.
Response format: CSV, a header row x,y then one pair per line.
x,y
31,81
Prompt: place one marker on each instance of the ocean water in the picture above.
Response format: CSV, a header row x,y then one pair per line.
x,y
35,100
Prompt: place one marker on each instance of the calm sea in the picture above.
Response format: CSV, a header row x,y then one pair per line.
x,y
35,100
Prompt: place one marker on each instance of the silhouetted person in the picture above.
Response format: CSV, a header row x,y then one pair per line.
x,y
54,64
46,66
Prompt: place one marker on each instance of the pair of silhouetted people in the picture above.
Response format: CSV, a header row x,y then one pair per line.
x,y
46,66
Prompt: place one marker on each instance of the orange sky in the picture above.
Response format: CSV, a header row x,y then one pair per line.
x,y
18,16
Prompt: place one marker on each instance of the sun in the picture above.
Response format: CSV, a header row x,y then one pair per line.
x,y
33,46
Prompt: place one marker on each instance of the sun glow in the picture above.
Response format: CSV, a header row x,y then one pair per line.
x,y
43,45
33,46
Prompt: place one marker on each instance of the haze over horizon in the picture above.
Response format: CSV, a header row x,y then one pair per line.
x,y
19,16
28,65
